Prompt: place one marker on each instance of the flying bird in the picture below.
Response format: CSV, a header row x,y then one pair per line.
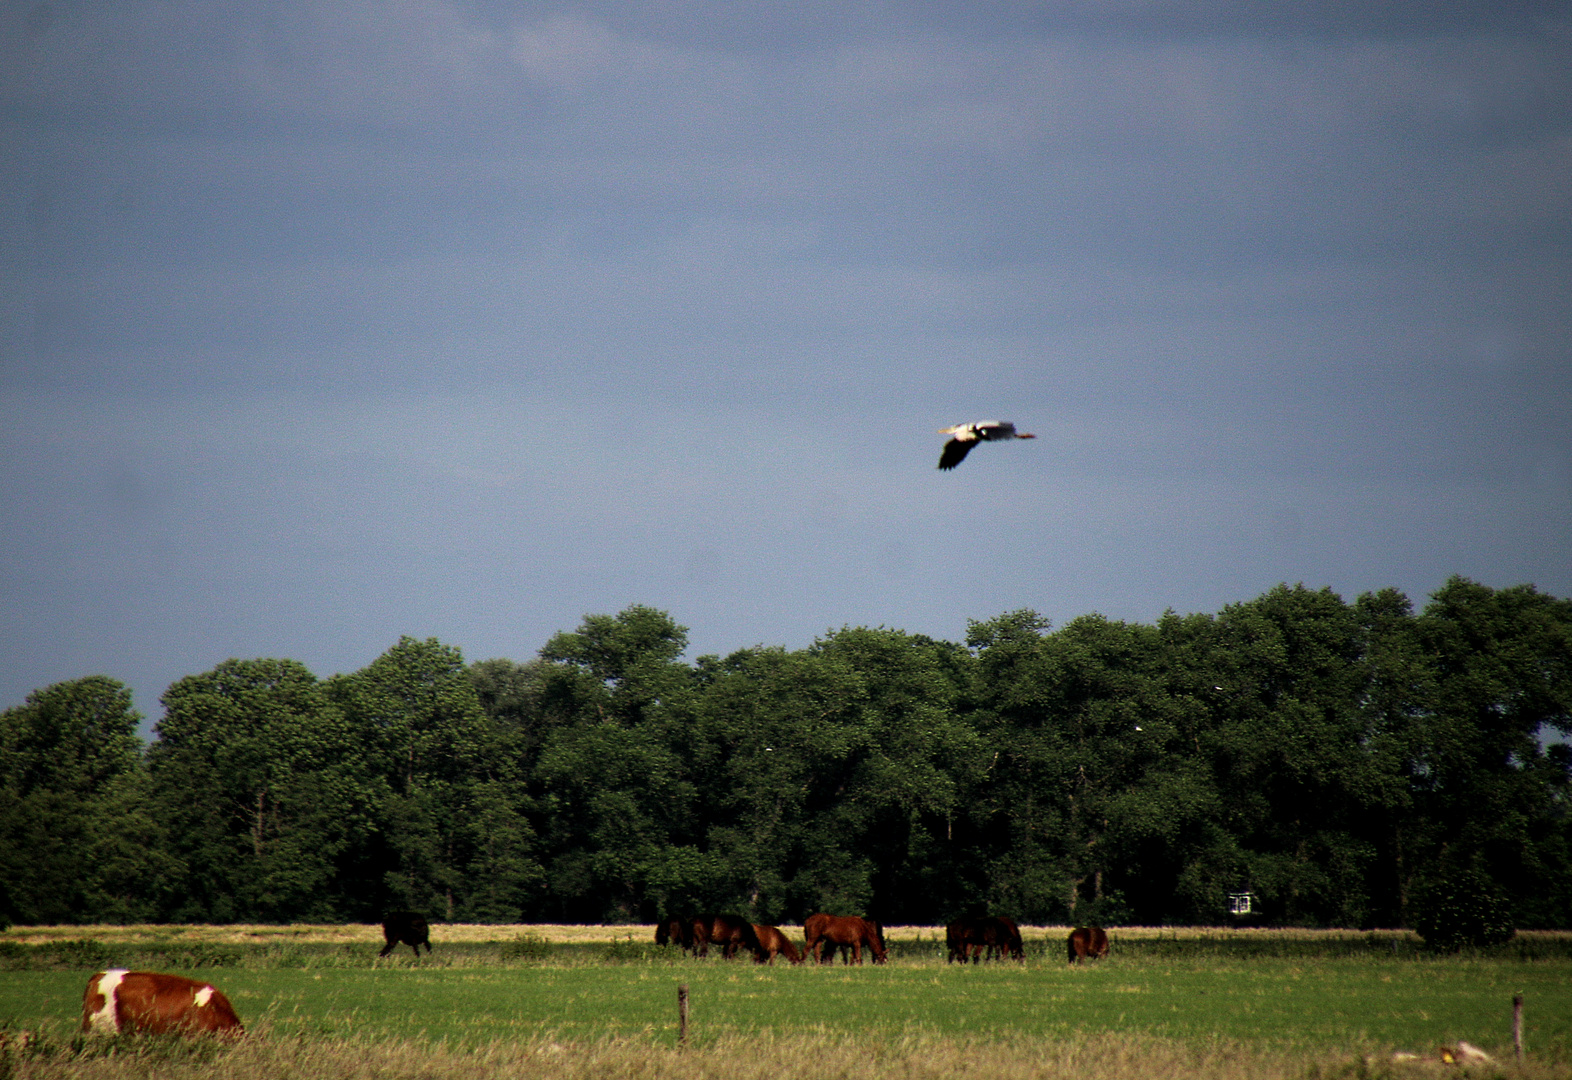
x,y
965,436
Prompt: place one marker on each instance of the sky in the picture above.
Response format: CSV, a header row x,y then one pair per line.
x,y
326,323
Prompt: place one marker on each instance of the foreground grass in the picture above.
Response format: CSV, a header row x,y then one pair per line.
x,y
1316,1007
591,1002
809,1057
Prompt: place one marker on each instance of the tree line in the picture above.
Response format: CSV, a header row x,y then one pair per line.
x,y
1340,761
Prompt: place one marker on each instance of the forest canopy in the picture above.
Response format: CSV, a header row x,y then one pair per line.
x,y
1340,761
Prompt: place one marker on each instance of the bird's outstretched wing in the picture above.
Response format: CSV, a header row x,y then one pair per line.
x,y
955,452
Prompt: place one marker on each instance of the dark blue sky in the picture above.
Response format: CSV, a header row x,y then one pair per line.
x,y
327,324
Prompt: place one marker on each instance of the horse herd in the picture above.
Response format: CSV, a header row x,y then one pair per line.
x,y
152,1002
967,940
822,936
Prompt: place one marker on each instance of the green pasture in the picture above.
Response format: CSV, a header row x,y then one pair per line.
x,y
1339,1003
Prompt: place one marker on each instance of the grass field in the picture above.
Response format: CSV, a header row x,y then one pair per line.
x,y
1310,999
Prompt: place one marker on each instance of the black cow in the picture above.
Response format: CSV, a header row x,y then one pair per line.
x,y
409,927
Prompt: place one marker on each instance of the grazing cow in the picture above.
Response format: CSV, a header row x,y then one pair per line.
x,y
730,932
773,943
1087,942
121,1001
409,927
845,932
983,937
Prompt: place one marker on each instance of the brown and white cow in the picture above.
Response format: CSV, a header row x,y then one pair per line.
x,y
1086,942
120,1001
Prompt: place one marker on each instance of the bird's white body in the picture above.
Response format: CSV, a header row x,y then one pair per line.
x,y
965,436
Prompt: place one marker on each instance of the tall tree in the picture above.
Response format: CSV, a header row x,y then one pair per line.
x,y
1298,753
1016,829
617,667
776,751
261,781
1096,798
613,778
916,756
1493,799
454,839
74,843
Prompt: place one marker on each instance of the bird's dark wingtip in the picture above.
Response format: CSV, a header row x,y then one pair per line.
x,y
955,452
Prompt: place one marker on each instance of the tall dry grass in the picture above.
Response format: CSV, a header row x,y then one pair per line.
x,y
316,933
569,934
809,1057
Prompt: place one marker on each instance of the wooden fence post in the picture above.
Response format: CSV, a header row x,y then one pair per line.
x,y
682,1015
1517,1026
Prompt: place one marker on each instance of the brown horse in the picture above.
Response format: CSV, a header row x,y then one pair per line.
x,y
845,932
963,939
675,931
1087,942
773,943
730,932
983,937
1007,938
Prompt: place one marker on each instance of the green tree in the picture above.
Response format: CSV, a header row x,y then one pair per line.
x,y
454,839
617,667
1489,795
617,800
260,780
776,750
75,845
1454,910
1098,799
915,753
1018,822
1293,751
613,778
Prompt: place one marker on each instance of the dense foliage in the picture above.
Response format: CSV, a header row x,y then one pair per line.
x,y
1350,764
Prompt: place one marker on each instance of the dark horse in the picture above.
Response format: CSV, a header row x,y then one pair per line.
x,y
1087,942
993,935
845,932
409,927
1007,938
772,943
675,931
730,932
